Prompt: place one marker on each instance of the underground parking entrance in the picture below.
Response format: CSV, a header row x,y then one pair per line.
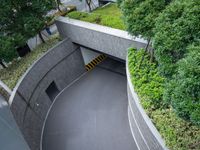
x,y
75,96
91,113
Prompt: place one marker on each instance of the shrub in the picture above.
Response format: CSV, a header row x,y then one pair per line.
x,y
176,27
177,133
140,15
183,91
146,80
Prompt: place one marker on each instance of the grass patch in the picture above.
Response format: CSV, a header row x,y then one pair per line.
x,y
109,15
177,133
12,74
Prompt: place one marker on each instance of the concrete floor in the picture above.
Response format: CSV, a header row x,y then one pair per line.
x,y
91,114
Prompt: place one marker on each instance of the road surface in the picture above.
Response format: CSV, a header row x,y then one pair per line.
x,y
91,114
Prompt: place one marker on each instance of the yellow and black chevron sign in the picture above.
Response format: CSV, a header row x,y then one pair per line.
x,y
95,61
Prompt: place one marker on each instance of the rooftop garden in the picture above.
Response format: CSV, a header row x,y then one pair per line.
x,y
109,15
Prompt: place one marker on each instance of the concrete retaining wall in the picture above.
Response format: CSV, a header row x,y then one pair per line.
x,y
107,40
144,132
33,95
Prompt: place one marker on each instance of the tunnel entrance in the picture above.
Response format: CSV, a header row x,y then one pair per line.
x,y
104,61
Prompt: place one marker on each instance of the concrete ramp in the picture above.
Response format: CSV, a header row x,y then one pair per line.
x,y
91,114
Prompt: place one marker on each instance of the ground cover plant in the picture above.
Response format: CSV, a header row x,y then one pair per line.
x,y
109,15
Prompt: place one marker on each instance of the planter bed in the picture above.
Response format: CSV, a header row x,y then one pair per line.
x,y
177,133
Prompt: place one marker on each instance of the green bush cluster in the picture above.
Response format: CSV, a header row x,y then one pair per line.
x,y
146,79
177,133
172,26
20,21
109,15
140,15
183,91
176,27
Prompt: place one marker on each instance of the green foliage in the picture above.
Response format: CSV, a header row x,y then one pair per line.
x,y
176,28
119,2
19,21
177,133
146,80
109,15
7,51
140,15
183,91
12,74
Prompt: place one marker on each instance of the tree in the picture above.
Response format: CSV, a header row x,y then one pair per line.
x,y
140,17
176,28
58,3
19,21
183,90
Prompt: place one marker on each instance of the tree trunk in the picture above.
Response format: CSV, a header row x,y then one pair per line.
x,y
58,5
41,37
89,5
146,49
152,55
2,64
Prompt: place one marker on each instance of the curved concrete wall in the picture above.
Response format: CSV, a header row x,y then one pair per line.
x,y
104,39
144,132
30,100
